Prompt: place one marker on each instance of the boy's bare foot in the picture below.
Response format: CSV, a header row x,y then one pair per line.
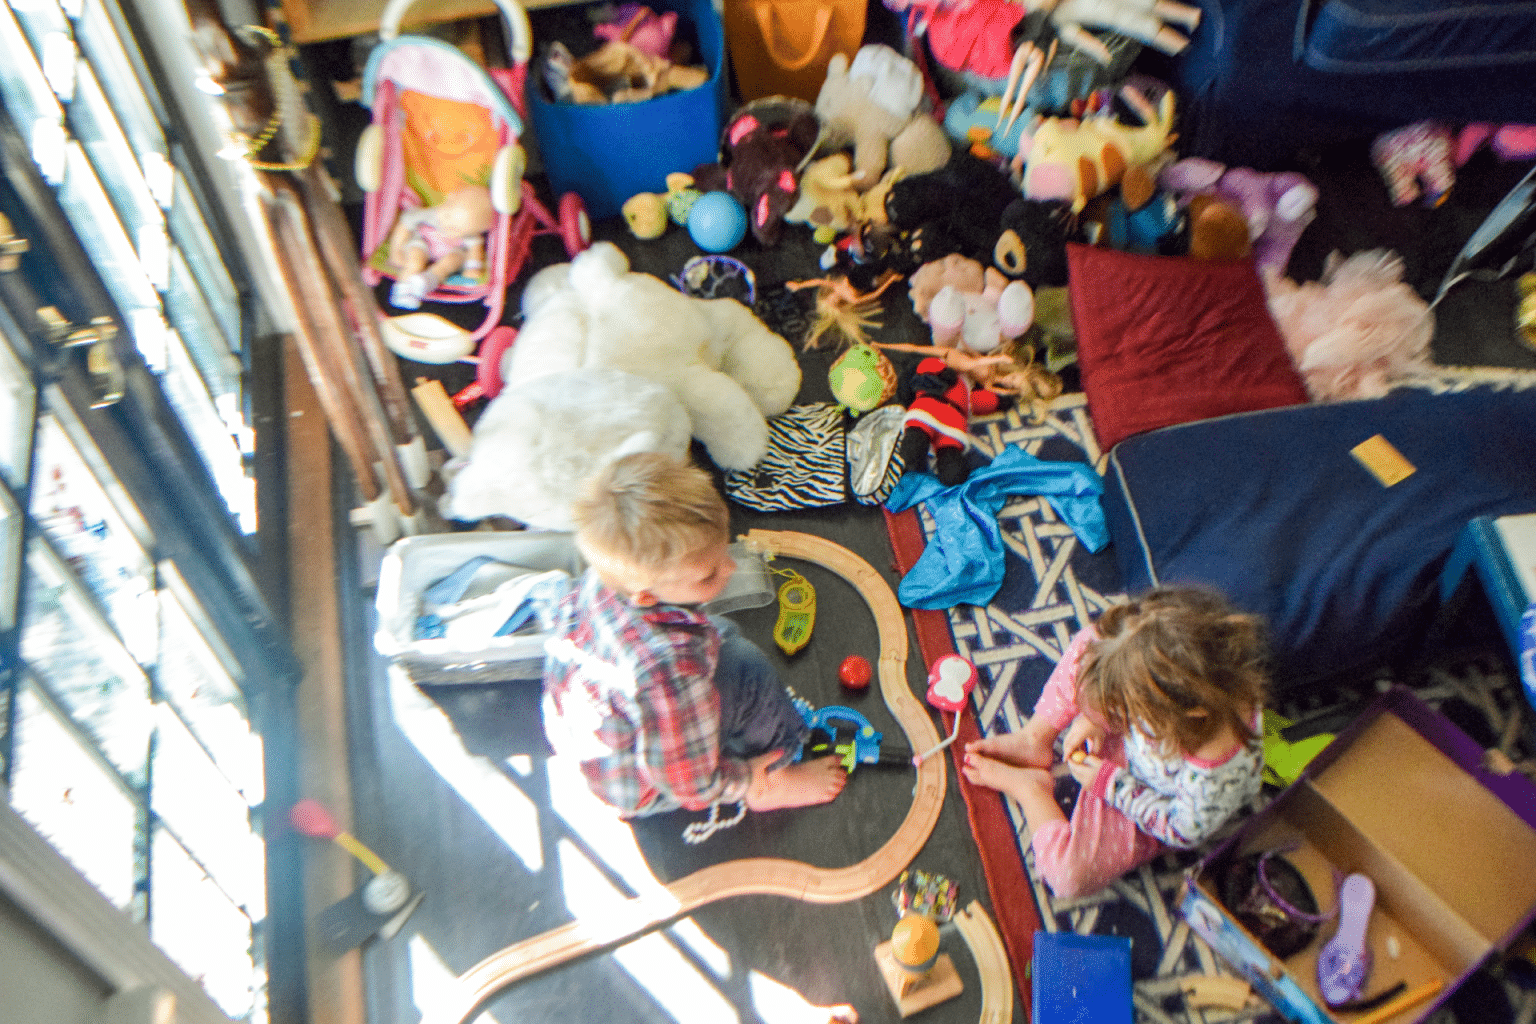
x,y
796,785
1031,747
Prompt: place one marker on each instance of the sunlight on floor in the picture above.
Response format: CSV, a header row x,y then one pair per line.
x,y
653,962
670,975
777,1003
431,980
704,948
604,832
504,807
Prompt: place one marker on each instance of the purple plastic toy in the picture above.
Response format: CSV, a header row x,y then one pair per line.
x,y
1345,960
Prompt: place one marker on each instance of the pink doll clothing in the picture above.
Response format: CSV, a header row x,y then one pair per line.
x,y
1140,801
972,37
438,244
1415,161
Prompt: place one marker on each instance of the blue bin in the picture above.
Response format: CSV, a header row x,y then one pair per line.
x,y
607,153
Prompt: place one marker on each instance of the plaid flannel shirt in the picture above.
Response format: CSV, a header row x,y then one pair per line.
x,y
629,692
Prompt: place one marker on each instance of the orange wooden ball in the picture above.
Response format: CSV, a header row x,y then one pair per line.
x,y
915,943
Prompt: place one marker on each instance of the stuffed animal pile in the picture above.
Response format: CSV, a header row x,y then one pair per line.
x,y
1045,156
608,362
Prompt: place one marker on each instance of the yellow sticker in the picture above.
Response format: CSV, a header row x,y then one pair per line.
x,y
1383,461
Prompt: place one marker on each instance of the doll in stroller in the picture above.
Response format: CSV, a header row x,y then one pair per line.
x,y
447,212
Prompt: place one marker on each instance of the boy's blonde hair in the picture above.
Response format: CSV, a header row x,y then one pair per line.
x,y
1180,663
646,513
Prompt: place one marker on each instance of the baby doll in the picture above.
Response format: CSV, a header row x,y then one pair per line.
x,y
432,243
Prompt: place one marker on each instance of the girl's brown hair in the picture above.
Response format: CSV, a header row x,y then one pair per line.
x,y
1180,663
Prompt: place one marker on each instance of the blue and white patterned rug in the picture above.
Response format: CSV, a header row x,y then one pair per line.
x,y
1052,588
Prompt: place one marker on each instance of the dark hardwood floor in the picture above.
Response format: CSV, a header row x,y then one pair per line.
x,y
453,788
458,797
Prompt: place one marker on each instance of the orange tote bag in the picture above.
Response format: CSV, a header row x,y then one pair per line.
x,y
782,47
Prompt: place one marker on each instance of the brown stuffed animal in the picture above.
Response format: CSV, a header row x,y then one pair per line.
x,y
1217,230
764,144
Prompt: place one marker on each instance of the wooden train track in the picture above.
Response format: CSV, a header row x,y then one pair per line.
x,y
757,875
991,958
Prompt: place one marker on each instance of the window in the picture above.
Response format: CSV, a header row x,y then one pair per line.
x,y
96,138
132,638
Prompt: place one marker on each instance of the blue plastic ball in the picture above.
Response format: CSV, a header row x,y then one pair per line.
x,y
717,222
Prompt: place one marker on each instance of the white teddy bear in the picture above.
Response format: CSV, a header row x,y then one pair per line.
x,y
716,360
537,440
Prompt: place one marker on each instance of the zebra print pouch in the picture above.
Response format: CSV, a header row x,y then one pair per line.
x,y
806,465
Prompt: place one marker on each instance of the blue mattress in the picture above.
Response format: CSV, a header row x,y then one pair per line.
x,y
1272,509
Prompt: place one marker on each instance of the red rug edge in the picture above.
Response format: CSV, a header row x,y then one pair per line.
x,y
1012,898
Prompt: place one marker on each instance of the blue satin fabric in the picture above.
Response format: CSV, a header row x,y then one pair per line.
x,y
964,560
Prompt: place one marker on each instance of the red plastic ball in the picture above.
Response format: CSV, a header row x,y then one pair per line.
x,y
854,672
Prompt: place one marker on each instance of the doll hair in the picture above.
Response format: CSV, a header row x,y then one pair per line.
x,y
647,512
1178,662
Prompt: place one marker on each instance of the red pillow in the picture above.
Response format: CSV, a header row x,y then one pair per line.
x,y
1165,339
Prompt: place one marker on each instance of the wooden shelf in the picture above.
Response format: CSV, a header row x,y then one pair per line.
x,y
312,21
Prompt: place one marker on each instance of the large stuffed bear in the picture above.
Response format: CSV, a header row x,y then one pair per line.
x,y
537,440
712,357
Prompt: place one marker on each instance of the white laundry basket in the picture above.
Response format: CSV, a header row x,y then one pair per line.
x,y
412,564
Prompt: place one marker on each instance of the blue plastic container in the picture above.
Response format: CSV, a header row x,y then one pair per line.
x,y
607,153
1080,979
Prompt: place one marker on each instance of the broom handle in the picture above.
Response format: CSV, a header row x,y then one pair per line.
x,y
349,843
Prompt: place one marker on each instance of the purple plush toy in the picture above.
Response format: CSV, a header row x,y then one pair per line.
x,y
1278,206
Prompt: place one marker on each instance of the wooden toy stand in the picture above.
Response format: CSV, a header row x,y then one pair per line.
x,y
915,992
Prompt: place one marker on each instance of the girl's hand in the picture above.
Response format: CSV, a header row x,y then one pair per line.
x,y
1082,735
1084,767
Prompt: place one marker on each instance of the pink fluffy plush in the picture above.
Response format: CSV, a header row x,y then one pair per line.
x,y
1356,331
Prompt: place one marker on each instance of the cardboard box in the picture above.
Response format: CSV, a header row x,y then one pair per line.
x,y
1400,796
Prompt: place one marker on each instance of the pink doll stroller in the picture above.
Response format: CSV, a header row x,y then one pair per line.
x,y
443,171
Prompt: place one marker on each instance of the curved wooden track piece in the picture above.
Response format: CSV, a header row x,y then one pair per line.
x,y
991,958
757,875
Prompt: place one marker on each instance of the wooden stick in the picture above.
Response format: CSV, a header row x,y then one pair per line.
x,y
437,407
340,256
758,875
315,298
336,402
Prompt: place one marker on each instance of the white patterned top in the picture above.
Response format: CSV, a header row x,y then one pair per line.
x,y
1183,799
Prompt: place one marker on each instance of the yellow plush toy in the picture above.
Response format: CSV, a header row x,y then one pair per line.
x,y
646,214
1074,160
828,201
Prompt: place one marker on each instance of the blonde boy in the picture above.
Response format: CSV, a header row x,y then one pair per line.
x,y
663,706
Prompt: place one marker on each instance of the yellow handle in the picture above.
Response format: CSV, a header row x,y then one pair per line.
x,y
1413,997
764,13
347,842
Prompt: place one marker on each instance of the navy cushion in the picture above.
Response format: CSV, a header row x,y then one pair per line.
x,y
1396,36
1272,509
